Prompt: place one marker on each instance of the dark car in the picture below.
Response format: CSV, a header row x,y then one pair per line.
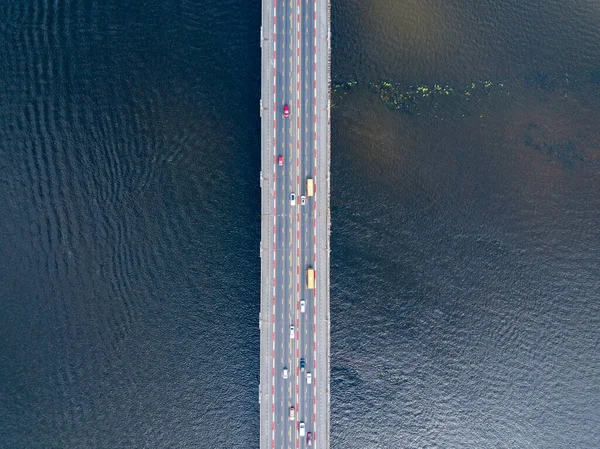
x,y
302,364
309,438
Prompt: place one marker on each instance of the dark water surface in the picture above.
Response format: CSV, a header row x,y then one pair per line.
x,y
465,245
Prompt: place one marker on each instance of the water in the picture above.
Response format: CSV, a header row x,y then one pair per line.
x,y
464,249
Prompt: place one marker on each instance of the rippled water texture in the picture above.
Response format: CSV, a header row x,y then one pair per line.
x,y
465,248
130,224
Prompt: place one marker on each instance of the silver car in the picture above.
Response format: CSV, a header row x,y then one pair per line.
x,y
302,305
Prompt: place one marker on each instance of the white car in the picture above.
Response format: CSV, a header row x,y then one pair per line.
x,y
292,414
309,378
285,373
292,332
302,428
293,199
302,305
303,200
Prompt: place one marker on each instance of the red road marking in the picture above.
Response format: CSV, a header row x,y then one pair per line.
x,y
298,272
273,387
314,346
296,388
297,179
273,282
315,170
315,222
297,287
297,160
273,425
314,257
273,408
314,325
314,400
315,238
314,364
298,235
315,134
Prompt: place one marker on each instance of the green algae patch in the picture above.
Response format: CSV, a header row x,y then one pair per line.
x,y
422,98
339,89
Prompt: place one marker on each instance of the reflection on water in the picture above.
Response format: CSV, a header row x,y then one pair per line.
x,y
465,206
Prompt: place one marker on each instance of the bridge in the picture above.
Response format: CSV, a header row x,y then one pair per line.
x,y
295,144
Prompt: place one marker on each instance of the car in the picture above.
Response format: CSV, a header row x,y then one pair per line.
x,y
309,438
302,305
285,373
293,199
292,332
286,110
302,428
302,364
303,200
292,413
280,161
309,378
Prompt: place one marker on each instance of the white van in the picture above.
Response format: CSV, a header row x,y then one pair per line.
x,y
302,429
309,378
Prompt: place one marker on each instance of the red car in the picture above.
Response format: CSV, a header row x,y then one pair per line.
x,y
280,160
309,438
286,110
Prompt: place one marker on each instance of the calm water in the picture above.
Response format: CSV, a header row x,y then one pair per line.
x,y
465,251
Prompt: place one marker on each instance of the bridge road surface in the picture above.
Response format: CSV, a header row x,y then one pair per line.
x,y
295,41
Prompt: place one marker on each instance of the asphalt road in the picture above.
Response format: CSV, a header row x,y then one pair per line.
x,y
295,50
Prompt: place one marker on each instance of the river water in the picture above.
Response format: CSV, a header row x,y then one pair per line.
x,y
465,209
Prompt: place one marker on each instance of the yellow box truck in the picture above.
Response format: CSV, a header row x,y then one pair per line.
x,y
310,187
310,278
